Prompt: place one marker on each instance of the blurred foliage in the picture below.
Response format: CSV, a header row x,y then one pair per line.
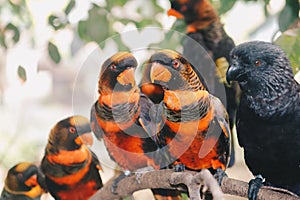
x,y
289,41
286,17
22,73
109,17
17,17
88,29
54,52
102,19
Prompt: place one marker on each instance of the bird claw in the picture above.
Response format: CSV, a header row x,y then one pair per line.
x,y
254,186
115,183
219,175
141,171
179,167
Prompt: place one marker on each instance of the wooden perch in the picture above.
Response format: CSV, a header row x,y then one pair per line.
x,y
168,179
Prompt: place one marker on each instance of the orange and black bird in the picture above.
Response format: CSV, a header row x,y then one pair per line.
x,y
120,116
71,169
22,182
205,29
268,117
196,131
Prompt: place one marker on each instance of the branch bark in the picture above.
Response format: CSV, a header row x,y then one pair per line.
x,y
168,179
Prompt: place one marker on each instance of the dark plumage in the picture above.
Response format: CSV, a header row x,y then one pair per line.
x,y
268,118
22,183
71,169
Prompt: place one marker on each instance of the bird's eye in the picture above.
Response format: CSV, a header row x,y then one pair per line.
x,y
233,56
113,67
257,63
183,8
176,63
72,129
20,176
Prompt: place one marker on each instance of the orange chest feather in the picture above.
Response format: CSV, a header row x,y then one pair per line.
x,y
79,192
69,158
128,152
110,126
113,127
175,100
196,153
115,97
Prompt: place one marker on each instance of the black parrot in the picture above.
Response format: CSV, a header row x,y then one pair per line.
x,y
268,117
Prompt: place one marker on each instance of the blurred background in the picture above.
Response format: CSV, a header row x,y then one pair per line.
x,y
51,53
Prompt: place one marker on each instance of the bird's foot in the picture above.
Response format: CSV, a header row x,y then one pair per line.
x,y
254,186
179,167
219,175
115,183
139,172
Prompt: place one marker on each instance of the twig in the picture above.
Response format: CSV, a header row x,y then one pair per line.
x,y
240,188
168,179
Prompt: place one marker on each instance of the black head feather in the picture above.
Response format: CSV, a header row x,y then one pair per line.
x,y
112,68
65,133
17,176
264,73
184,76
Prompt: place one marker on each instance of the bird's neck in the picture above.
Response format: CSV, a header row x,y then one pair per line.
x,y
188,105
119,107
205,15
273,101
65,157
33,192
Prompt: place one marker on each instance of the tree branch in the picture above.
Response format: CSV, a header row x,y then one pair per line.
x,y
168,179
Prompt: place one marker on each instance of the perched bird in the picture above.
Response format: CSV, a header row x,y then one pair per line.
x,y
204,28
268,117
119,114
22,182
196,130
71,169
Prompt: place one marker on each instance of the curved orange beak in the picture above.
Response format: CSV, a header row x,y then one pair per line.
x,y
175,13
32,181
160,73
85,138
127,77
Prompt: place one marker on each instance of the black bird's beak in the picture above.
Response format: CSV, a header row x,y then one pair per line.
x,y
233,72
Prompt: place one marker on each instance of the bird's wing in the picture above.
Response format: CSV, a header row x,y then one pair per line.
x,y
219,127
97,130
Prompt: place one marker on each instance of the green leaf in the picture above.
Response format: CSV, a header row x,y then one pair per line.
x,y
119,2
225,5
2,40
16,31
289,14
22,73
70,6
53,52
289,41
96,27
56,22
